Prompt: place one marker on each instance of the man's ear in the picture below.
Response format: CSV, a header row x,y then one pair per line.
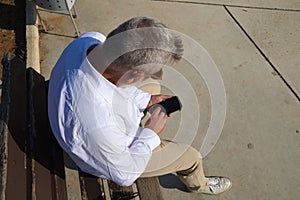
x,y
132,76
124,77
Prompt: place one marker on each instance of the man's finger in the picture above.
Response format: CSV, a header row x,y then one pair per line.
x,y
164,97
162,115
168,96
157,111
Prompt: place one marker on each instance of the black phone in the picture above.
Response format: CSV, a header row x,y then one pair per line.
x,y
168,106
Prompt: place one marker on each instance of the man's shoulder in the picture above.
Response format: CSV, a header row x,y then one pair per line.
x,y
95,35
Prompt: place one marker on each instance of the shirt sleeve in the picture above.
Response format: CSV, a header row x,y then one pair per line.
x,y
141,99
125,163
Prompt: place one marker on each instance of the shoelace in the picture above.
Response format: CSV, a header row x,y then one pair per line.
x,y
213,183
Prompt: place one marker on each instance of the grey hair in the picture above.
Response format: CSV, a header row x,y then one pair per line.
x,y
171,51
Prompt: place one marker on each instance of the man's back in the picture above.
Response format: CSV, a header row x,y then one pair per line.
x,y
94,121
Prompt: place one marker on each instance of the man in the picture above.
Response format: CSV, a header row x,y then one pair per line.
x,y
95,110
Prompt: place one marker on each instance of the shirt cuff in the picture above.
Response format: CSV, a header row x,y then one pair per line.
x,y
150,138
142,99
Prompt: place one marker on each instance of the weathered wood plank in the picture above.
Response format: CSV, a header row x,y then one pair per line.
x,y
119,192
149,188
72,179
49,176
3,157
3,124
90,187
14,114
39,137
59,187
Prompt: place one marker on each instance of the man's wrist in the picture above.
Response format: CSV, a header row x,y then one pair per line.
x,y
152,138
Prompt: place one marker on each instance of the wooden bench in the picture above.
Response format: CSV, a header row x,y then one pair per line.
x,y
33,166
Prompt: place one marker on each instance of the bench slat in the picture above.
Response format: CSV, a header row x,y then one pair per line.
x,y
39,137
14,114
149,188
59,187
48,164
90,187
120,192
72,179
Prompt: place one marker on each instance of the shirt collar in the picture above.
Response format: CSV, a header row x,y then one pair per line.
x,y
100,84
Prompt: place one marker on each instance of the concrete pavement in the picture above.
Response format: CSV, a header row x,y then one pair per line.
x,y
255,46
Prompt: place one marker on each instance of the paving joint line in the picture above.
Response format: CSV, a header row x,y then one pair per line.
x,y
230,5
263,54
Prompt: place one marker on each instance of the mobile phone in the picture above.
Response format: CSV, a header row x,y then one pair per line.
x,y
168,106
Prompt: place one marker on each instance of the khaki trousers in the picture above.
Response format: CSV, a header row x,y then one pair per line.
x,y
171,157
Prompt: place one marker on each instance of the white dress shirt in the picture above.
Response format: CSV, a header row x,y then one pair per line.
x,y
94,121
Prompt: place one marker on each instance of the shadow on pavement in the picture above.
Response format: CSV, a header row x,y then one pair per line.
x,y
171,181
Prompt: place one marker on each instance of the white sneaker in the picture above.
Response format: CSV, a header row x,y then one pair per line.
x,y
216,185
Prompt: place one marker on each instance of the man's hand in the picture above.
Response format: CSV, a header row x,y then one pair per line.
x,y
157,99
157,121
